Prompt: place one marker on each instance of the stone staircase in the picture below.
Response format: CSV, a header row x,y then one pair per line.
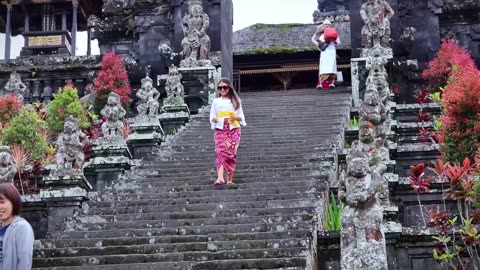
x,y
165,214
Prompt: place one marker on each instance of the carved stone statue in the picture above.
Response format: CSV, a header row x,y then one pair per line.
x,y
196,44
174,88
376,15
70,143
370,109
362,238
15,86
114,114
8,168
148,98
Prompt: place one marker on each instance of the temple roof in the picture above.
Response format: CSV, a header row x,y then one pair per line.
x,y
85,9
282,38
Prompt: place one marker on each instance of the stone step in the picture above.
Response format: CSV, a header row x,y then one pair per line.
x,y
193,215
248,134
198,207
238,181
243,164
319,153
190,222
192,194
247,172
126,241
295,263
172,257
188,230
166,160
319,140
269,199
153,248
208,186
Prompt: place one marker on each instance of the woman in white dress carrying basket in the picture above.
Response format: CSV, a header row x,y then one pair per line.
x,y
326,39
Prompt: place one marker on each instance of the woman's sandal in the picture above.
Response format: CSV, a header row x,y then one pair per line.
x,y
219,182
230,183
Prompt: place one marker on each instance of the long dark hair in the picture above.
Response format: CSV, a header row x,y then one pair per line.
x,y
232,94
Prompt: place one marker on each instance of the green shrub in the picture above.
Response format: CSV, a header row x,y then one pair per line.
x,y
334,214
355,122
26,130
64,104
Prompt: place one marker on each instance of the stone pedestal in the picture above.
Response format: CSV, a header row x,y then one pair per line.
x,y
199,84
62,199
174,117
147,133
110,159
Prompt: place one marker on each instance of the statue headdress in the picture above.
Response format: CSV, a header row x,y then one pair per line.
x,y
172,70
73,120
5,149
146,79
115,96
15,75
194,3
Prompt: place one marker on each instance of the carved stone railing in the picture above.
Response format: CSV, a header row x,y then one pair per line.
x,y
44,75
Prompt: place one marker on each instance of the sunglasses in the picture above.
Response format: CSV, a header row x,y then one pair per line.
x,y
223,88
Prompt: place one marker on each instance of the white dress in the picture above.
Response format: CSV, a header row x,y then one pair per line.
x,y
328,58
222,105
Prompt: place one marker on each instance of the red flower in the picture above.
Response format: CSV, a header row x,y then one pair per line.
x,y
449,59
113,77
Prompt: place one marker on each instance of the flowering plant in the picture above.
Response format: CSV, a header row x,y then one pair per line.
x,y
112,78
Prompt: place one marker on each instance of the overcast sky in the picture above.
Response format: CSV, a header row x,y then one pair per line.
x,y
246,12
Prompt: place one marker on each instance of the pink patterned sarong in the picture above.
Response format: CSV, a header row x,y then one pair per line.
x,y
226,142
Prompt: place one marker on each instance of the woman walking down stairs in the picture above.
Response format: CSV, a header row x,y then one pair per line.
x,y
175,219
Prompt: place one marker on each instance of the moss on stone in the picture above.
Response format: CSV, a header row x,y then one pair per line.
x,y
276,50
461,4
285,26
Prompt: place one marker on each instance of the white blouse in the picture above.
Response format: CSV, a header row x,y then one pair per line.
x,y
221,105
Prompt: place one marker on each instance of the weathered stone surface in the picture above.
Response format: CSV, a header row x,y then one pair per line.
x,y
8,168
196,44
199,85
70,157
15,86
148,98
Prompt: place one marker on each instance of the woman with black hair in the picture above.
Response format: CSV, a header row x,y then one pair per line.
x,y
16,234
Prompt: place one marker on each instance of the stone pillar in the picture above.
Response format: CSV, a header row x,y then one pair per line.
x,y
177,19
74,27
89,42
227,38
27,22
363,187
8,33
64,20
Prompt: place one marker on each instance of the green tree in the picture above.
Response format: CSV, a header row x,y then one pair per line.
x,y
64,104
26,130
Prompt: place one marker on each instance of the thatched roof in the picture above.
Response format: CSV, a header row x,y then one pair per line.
x,y
282,38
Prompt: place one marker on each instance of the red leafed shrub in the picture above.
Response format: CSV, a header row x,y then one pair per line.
x,y
112,78
450,58
461,116
9,107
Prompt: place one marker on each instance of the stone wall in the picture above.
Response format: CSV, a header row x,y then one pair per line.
x,y
418,27
160,22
